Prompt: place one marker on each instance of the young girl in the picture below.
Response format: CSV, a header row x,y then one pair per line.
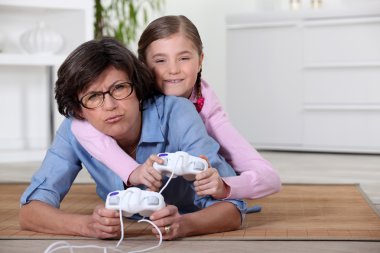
x,y
172,48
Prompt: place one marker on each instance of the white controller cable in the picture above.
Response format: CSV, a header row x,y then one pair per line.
x,y
141,220
171,176
121,219
163,188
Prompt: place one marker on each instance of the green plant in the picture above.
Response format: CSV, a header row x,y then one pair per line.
x,y
122,18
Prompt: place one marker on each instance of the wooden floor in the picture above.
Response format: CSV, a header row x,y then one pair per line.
x,y
292,167
323,212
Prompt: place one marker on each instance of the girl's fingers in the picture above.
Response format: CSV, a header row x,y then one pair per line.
x,y
154,158
205,158
205,189
155,174
204,174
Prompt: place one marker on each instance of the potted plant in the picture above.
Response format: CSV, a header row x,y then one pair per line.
x,y
122,18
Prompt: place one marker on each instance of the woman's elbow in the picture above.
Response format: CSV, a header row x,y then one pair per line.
x,y
27,215
22,218
237,221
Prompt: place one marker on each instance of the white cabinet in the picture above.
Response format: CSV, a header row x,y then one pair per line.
x,y
27,105
307,80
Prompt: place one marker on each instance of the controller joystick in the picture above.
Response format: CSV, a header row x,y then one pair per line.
x,y
182,164
134,200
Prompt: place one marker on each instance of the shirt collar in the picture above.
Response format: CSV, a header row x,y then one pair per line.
x,y
151,120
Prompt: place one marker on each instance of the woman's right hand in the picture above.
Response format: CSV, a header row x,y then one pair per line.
x,y
103,223
169,221
147,175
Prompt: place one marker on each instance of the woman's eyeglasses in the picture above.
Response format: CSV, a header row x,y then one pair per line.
x,y
95,99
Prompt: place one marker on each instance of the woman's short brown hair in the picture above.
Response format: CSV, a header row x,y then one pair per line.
x,y
85,64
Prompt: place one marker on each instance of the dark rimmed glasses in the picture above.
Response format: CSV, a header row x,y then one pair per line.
x,y
95,99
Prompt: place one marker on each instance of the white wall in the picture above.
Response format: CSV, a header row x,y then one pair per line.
x,y
209,17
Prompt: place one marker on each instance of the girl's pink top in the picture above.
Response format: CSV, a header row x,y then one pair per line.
x,y
256,177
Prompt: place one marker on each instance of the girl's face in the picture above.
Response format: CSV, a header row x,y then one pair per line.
x,y
120,119
175,63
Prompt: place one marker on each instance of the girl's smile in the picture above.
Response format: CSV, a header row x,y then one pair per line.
x,y
175,62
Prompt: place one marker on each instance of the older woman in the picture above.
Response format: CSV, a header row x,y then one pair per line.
x,y
104,83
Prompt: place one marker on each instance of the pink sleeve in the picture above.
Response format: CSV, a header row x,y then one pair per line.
x,y
104,148
256,177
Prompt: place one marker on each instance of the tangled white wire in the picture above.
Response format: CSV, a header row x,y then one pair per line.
x,y
65,245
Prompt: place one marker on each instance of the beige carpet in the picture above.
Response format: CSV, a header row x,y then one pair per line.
x,y
298,212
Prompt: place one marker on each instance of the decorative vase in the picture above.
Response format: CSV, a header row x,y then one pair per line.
x,y
41,40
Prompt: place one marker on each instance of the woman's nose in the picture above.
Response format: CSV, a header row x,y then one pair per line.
x,y
109,102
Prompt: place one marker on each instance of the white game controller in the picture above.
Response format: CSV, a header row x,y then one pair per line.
x,y
182,164
134,200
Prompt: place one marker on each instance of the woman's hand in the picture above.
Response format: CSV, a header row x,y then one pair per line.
x,y
103,223
168,220
147,175
210,183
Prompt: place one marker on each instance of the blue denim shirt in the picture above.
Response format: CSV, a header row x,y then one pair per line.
x,y
170,124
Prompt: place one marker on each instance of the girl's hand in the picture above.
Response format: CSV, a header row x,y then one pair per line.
x,y
168,220
103,223
210,183
147,175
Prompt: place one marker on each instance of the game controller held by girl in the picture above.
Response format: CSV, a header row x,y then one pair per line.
x,y
181,164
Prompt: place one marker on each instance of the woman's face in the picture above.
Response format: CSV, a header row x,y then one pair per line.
x,y
175,63
120,119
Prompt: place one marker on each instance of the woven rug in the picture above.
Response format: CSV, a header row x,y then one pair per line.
x,y
298,212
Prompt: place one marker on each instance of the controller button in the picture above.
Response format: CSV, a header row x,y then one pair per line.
x,y
199,166
114,200
153,200
114,193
